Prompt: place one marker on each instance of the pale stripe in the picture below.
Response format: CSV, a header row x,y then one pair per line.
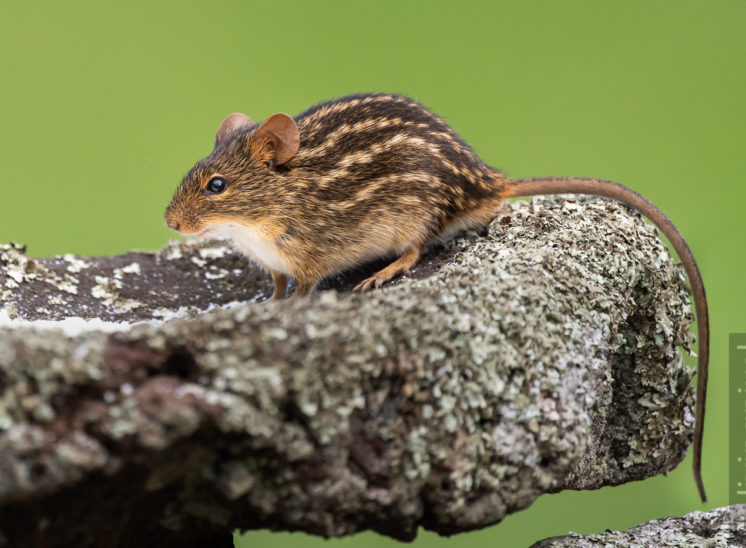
x,y
346,129
341,107
365,156
371,187
452,140
368,155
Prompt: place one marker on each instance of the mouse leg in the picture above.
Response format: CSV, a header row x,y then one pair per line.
x,y
399,266
303,288
280,281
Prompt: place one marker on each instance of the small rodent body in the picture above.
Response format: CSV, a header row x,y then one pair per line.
x,y
367,176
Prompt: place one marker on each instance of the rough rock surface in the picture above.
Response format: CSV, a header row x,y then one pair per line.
x,y
540,355
719,528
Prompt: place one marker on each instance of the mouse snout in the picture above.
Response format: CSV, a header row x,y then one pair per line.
x,y
174,221
171,220
183,222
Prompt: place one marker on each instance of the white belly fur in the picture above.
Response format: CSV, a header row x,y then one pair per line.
x,y
254,244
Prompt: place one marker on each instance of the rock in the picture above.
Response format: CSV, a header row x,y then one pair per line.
x,y
540,355
719,528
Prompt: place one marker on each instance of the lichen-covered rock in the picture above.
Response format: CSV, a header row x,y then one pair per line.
x,y
538,356
719,528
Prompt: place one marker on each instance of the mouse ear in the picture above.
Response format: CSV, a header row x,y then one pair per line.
x,y
282,132
232,123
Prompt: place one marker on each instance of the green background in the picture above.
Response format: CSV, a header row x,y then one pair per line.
x,y
104,106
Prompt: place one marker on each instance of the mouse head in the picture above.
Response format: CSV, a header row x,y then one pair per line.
x,y
238,179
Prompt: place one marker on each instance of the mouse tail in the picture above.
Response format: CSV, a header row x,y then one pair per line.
x,y
608,189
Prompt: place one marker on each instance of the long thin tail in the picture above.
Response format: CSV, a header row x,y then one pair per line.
x,y
571,185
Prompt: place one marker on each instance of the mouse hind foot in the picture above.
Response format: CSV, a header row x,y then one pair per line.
x,y
399,266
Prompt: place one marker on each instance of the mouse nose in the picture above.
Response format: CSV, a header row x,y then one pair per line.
x,y
174,225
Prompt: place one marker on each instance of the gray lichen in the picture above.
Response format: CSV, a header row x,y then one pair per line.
x,y
542,355
719,528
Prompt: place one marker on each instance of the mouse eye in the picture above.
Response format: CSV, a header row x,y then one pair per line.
x,y
215,186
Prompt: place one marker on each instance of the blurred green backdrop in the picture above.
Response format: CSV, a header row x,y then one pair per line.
x,y
104,106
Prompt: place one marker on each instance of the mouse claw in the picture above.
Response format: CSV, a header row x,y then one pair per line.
x,y
398,267
376,281
363,286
